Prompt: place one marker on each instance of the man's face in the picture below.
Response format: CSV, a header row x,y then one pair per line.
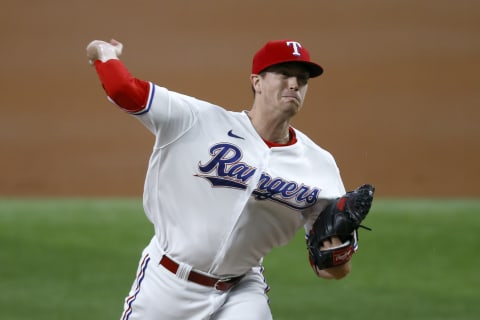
x,y
283,87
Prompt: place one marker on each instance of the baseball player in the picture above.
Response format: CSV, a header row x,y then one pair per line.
x,y
223,188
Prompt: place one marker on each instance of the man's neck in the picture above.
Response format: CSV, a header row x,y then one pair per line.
x,y
269,127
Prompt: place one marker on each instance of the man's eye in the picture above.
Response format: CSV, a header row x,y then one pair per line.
x,y
302,79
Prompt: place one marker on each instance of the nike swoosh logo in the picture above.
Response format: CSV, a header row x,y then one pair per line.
x,y
233,135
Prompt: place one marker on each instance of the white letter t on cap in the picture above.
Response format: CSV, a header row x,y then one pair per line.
x,y
295,46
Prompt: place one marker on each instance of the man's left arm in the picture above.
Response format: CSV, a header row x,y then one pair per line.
x,y
332,240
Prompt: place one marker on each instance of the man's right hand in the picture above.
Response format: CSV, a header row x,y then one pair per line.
x,y
103,51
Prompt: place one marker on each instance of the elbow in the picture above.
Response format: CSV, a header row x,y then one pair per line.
x,y
129,97
119,92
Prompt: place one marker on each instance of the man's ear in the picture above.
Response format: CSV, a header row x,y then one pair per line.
x,y
255,81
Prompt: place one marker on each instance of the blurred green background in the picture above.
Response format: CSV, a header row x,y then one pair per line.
x,y
76,259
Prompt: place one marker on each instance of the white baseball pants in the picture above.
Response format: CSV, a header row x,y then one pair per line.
x,y
158,294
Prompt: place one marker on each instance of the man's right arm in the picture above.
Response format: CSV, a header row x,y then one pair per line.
x,y
129,93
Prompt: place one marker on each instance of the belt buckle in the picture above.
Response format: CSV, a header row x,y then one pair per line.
x,y
220,282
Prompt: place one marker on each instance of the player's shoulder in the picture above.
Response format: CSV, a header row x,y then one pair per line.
x,y
312,147
200,104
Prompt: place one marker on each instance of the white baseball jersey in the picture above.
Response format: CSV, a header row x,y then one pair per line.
x,y
219,198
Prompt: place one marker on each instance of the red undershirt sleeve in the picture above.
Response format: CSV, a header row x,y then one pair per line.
x,y
129,93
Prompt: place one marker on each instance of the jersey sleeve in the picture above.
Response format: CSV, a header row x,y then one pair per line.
x,y
127,92
169,115
165,113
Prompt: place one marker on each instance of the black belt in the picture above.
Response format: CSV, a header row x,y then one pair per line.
x,y
219,284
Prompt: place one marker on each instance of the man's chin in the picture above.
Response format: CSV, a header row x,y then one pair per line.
x,y
292,108
294,103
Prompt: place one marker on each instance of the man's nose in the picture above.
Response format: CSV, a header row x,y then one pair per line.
x,y
293,83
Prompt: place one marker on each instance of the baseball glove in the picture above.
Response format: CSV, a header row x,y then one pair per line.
x,y
341,218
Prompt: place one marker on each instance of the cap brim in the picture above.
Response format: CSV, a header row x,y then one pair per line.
x,y
314,69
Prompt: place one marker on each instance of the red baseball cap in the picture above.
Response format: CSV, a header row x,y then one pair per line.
x,y
281,51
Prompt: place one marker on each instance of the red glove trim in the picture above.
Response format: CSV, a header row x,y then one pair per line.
x,y
342,256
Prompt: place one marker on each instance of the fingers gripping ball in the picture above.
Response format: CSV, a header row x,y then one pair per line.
x,y
341,218
103,51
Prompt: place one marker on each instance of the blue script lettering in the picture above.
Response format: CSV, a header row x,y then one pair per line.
x,y
280,190
229,170
226,170
226,162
